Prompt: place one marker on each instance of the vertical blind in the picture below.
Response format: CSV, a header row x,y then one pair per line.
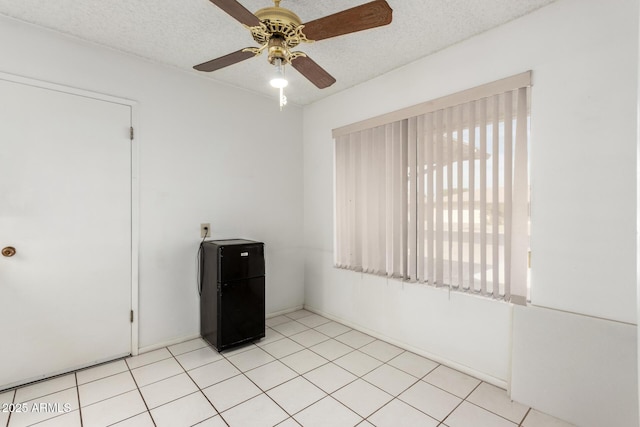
x,y
440,196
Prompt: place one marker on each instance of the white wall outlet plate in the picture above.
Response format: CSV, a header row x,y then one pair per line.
x,y
205,230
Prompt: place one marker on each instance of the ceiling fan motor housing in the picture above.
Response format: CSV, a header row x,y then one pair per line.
x,y
281,29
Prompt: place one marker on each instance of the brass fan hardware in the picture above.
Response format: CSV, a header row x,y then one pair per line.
x,y
278,30
9,251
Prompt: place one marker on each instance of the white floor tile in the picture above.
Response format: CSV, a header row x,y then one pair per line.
x,y
5,398
101,371
331,349
390,379
309,337
250,359
381,350
147,358
270,375
413,364
43,388
269,337
187,346
358,363
539,419
495,399
355,339
142,420
113,410
257,412
38,410
238,349
295,315
231,392
105,388
295,395
397,413
362,397
328,412
70,419
430,400
290,328
213,373
198,357
313,321
216,421
278,320
332,329
330,377
365,423
303,361
453,381
157,371
281,348
183,412
164,391
468,414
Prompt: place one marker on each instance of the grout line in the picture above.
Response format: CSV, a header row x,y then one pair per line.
x,y
525,417
13,401
75,375
140,393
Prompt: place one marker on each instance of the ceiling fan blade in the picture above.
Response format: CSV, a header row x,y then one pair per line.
x,y
237,11
313,72
369,15
224,61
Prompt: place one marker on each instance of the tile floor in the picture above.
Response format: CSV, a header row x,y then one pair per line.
x,y
307,371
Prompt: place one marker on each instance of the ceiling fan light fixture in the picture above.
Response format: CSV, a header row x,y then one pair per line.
x,y
278,80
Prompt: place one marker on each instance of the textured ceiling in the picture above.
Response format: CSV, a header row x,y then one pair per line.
x,y
184,33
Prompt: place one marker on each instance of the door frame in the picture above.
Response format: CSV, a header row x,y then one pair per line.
x,y
134,179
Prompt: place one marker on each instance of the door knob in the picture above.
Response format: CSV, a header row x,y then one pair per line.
x,y
9,251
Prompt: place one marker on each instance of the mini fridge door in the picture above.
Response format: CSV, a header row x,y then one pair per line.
x,y
241,311
241,261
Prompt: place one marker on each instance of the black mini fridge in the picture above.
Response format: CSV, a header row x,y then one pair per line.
x,y
232,306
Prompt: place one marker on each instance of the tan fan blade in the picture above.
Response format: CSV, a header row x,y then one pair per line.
x,y
224,61
313,72
237,11
369,15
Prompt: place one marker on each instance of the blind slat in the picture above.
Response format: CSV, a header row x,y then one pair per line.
x,y
483,195
495,220
439,231
420,202
508,176
429,194
459,193
449,165
472,194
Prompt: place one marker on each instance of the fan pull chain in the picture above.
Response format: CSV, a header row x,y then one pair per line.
x,y
283,99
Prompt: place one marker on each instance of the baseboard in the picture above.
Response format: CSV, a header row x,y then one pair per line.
x,y
449,363
281,312
163,344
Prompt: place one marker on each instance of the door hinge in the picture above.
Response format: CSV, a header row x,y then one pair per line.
x,y
131,133
131,317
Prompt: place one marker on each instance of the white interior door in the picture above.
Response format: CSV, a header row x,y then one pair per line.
x,y
65,205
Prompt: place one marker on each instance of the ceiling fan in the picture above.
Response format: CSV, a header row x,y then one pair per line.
x,y
278,30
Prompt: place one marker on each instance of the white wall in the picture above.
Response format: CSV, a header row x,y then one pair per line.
x,y
206,155
584,55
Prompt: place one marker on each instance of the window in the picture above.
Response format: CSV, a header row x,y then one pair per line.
x,y
438,193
